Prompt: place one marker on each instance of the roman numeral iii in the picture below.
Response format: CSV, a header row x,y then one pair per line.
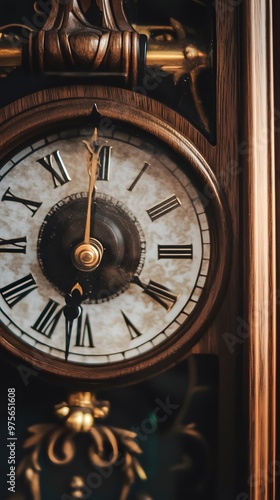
x,y
175,251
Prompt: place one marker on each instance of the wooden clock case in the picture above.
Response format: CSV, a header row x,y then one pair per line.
x,y
242,335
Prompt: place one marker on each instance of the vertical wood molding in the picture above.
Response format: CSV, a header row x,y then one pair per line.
x,y
259,243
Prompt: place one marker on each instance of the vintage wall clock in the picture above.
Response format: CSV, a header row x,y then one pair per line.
x,y
137,246
157,249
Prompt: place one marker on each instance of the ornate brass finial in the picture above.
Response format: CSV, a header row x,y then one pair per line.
x,y
81,410
107,446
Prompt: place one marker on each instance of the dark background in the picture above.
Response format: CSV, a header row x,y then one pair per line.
x,y
197,18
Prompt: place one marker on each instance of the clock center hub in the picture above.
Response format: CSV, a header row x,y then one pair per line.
x,y
87,256
105,265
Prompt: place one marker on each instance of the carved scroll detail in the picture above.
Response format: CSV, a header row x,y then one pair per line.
x,y
69,43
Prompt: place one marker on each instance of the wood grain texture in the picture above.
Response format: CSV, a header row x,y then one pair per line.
x,y
259,244
229,171
276,40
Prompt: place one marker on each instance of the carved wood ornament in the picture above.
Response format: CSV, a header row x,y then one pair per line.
x,y
69,43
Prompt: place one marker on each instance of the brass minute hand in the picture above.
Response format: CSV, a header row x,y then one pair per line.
x,y
88,254
92,156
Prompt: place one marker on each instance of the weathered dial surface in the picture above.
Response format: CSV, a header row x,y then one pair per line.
x,y
150,220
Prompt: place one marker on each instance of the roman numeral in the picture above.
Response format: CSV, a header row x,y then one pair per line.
x,y
33,206
48,319
16,291
159,293
175,251
53,163
146,165
84,331
134,333
104,159
15,245
164,207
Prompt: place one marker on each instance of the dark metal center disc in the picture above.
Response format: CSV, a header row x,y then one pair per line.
x,y
112,224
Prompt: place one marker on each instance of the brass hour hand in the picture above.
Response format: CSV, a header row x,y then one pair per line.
x,y
72,311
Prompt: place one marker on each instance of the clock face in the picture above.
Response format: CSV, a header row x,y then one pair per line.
x,y
149,218
125,226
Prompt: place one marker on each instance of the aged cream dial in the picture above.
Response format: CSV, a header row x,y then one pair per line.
x,y
148,216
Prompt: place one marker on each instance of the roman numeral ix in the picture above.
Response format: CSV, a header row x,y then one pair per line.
x,y
15,245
